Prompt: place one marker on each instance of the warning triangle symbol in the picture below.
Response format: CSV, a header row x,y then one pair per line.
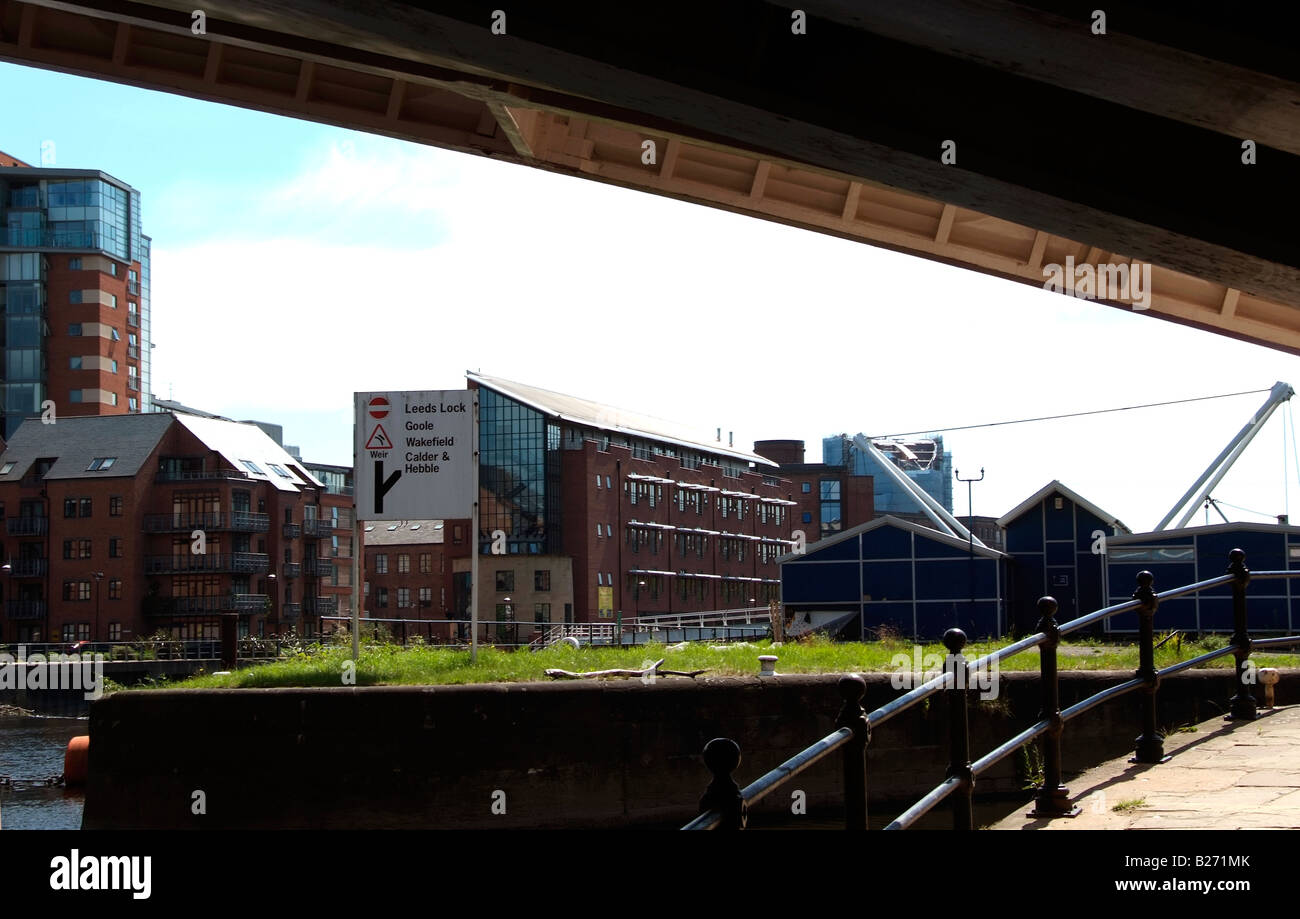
x,y
379,439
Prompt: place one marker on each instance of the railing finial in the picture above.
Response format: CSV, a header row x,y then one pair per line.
x,y
722,756
1243,706
954,640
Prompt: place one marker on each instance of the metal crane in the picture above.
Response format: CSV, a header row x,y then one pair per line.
x,y
1215,472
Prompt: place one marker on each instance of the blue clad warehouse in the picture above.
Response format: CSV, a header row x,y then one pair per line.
x,y
891,572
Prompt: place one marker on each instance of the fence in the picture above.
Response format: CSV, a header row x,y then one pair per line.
x,y
725,805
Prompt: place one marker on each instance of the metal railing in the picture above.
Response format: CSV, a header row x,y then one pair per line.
x,y
240,521
318,527
318,567
198,475
30,567
239,603
291,570
241,562
318,606
725,805
27,526
25,609
756,615
588,632
291,531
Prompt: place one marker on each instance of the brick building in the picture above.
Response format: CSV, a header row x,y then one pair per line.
x,y
406,575
121,526
74,291
829,498
612,513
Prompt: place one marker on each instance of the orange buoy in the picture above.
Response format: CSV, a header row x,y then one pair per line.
x,y
76,761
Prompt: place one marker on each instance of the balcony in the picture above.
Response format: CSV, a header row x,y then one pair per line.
x,y
320,567
30,567
230,603
133,287
291,611
238,521
133,352
133,384
238,562
320,606
133,320
291,570
199,475
27,526
321,526
25,609
292,531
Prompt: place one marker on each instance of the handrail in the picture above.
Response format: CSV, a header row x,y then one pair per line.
x,y
725,805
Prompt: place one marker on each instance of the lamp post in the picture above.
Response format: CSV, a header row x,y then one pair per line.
x,y
509,618
98,576
970,530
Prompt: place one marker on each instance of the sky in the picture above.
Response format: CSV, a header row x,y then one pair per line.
x,y
296,263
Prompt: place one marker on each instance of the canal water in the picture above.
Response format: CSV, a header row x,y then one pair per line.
x,y
31,750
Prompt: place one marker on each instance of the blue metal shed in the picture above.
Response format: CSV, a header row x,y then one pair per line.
x,y
1183,556
1054,540
892,572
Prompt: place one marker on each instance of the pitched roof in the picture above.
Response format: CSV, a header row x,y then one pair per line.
x,y
1055,487
74,442
608,418
898,523
403,532
242,442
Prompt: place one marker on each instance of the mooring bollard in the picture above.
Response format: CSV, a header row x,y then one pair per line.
x,y
767,665
1053,798
852,715
959,730
722,756
1268,676
1243,707
1150,746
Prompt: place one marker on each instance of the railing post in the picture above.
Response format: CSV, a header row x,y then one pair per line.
x,y
1053,798
1150,746
853,715
959,730
1243,703
722,756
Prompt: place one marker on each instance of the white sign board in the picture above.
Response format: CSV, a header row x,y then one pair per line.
x,y
415,455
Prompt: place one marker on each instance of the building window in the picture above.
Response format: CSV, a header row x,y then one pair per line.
x,y
76,548
381,563
74,264
599,532
807,517
542,580
86,505
74,328
115,506
112,268
76,591
806,488
426,562
74,363
598,481
115,589
426,596
112,398
133,403
403,597
113,299
830,507
383,597
74,395
542,613
74,296
115,548
100,463
69,507
113,334
114,364
115,631
505,581
404,564
457,534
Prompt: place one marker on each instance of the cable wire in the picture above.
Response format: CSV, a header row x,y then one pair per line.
x,y
1100,411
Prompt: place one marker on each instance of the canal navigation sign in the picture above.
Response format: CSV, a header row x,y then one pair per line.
x,y
415,455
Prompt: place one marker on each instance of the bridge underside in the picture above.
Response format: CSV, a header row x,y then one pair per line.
x,y
1108,148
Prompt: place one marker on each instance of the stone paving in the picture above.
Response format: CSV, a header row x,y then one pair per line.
x,y
1224,776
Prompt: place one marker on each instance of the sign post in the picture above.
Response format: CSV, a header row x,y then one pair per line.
x,y
474,549
416,458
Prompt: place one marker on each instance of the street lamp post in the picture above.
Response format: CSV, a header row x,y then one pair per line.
x,y
970,530
98,576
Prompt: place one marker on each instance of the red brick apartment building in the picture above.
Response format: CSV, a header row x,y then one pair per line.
x,y
638,514
102,519
406,576
74,288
